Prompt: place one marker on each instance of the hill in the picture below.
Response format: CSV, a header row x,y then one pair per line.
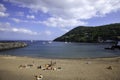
x,y
92,33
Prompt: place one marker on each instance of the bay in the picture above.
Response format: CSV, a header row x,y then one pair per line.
x,y
46,49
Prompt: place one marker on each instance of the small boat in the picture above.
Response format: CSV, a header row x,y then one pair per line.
x,y
31,41
108,48
43,42
116,46
49,42
66,42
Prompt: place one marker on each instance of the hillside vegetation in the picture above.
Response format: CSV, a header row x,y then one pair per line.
x,y
92,33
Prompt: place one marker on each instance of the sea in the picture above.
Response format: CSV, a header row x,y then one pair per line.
x,y
49,49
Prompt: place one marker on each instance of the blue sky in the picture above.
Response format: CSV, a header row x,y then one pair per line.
x,y
48,19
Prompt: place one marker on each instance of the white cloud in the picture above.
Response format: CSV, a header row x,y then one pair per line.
x,y
2,8
19,20
47,32
2,11
6,27
19,13
22,30
30,16
66,13
80,9
16,20
64,30
56,22
2,14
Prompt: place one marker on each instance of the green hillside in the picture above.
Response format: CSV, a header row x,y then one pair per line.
x,y
92,33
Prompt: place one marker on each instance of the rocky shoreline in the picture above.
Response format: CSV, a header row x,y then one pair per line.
x,y
11,45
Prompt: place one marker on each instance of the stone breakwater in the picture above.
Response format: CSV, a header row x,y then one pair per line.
x,y
11,45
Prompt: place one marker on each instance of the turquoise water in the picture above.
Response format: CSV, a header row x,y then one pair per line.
x,y
63,50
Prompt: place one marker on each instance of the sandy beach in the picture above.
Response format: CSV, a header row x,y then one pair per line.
x,y
14,68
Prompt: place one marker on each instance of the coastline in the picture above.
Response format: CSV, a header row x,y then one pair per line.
x,y
71,69
87,58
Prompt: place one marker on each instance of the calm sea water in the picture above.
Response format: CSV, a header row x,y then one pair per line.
x,y
62,50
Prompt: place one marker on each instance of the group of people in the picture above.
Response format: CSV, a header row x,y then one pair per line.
x,y
49,66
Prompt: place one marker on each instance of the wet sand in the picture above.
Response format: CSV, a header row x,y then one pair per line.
x,y
71,69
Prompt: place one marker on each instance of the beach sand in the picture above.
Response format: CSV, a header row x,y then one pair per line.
x,y
71,69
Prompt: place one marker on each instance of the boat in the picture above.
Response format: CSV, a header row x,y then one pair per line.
x,y
118,43
66,42
31,41
116,46
49,42
43,42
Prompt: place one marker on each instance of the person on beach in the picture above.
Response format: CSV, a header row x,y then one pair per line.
x,y
39,77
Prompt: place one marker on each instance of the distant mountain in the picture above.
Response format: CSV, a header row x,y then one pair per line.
x,y
92,33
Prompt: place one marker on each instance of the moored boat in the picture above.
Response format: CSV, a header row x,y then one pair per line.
x,y
116,46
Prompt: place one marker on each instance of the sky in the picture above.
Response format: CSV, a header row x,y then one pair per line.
x,y
49,19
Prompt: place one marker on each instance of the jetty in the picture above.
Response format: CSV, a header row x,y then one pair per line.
x,y
11,45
